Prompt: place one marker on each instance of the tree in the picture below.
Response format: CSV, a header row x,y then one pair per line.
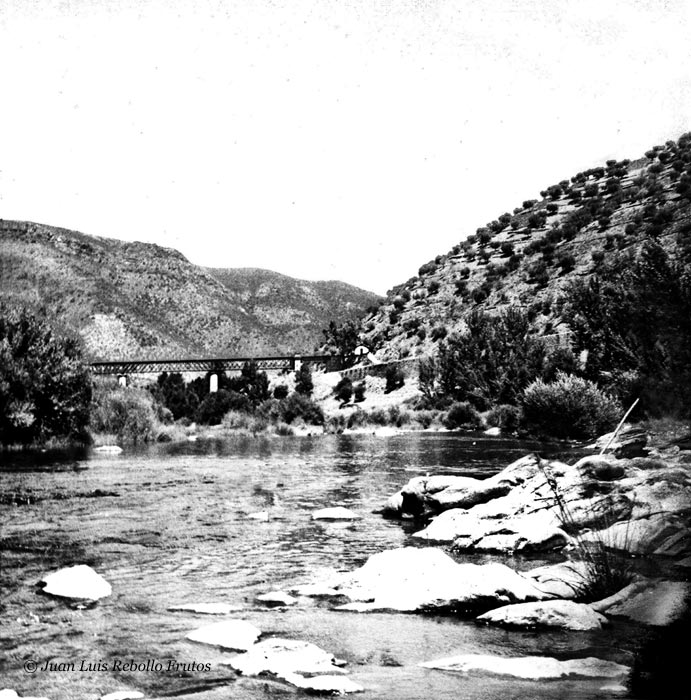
x,y
342,340
491,363
45,388
344,390
634,319
303,380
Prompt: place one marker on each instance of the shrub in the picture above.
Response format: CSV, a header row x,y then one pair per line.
x,y
125,412
45,389
566,262
570,407
506,417
438,332
303,380
212,409
344,390
462,415
300,406
359,392
507,249
398,417
280,392
395,378
182,401
433,287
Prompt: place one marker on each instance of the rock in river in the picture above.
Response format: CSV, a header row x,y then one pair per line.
x,y
530,667
564,614
299,663
277,598
336,513
229,634
207,608
79,582
9,694
412,579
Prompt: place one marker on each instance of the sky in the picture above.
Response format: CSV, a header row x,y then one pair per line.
x,y
324,139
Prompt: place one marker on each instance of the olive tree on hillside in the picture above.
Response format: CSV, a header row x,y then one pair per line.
x,y
45,388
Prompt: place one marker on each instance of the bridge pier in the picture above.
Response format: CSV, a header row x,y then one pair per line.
x,y
122,380
213,383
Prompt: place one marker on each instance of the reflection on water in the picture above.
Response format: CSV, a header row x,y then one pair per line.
x,y
168,525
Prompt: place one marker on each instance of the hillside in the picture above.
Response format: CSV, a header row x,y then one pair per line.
x,y
528,257
138,300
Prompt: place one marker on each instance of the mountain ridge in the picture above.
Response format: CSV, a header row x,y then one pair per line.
x,y
134,300
527,258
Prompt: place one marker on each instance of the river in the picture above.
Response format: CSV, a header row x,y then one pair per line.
x,y
167,525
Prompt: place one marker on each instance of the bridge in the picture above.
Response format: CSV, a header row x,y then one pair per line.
x,y
288,363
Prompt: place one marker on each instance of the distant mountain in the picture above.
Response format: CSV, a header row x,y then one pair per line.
x,y
139,300
528,257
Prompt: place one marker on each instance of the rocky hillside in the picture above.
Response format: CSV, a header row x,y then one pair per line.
x,y
138,300
528,256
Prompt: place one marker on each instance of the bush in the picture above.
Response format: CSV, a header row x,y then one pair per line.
x,y
395,378
182,401
280,392
507,249
433,287
462,415
568,408
303,380
214,406
45,389
507,418
344,390
359,392
127,413
300,406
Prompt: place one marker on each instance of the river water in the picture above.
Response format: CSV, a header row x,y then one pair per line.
x,y
167,525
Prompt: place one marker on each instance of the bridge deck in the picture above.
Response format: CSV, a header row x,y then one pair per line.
x,y
228,364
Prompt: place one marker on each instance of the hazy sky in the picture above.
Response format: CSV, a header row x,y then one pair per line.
x,y
325,139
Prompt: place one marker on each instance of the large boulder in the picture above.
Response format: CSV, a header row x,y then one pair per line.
x,y
530,667
562,614
79,582
434,494
652,602
412,579
630,441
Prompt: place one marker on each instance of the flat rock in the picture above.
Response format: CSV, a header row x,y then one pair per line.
x,y
123,695
563,614
261,516
277,598
229,634
109,449
563,580
334,685
283,656
529,667
336,513
10,694
207,608
412,579
660,603
79,582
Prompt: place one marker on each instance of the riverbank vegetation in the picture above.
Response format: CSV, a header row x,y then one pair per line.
x,y
45,389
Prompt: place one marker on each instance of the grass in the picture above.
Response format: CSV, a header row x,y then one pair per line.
x,y
605,570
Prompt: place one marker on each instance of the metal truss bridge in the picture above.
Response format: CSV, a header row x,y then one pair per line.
x,y
228,364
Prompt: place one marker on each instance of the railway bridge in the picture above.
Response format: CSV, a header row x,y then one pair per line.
x,y
288,363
